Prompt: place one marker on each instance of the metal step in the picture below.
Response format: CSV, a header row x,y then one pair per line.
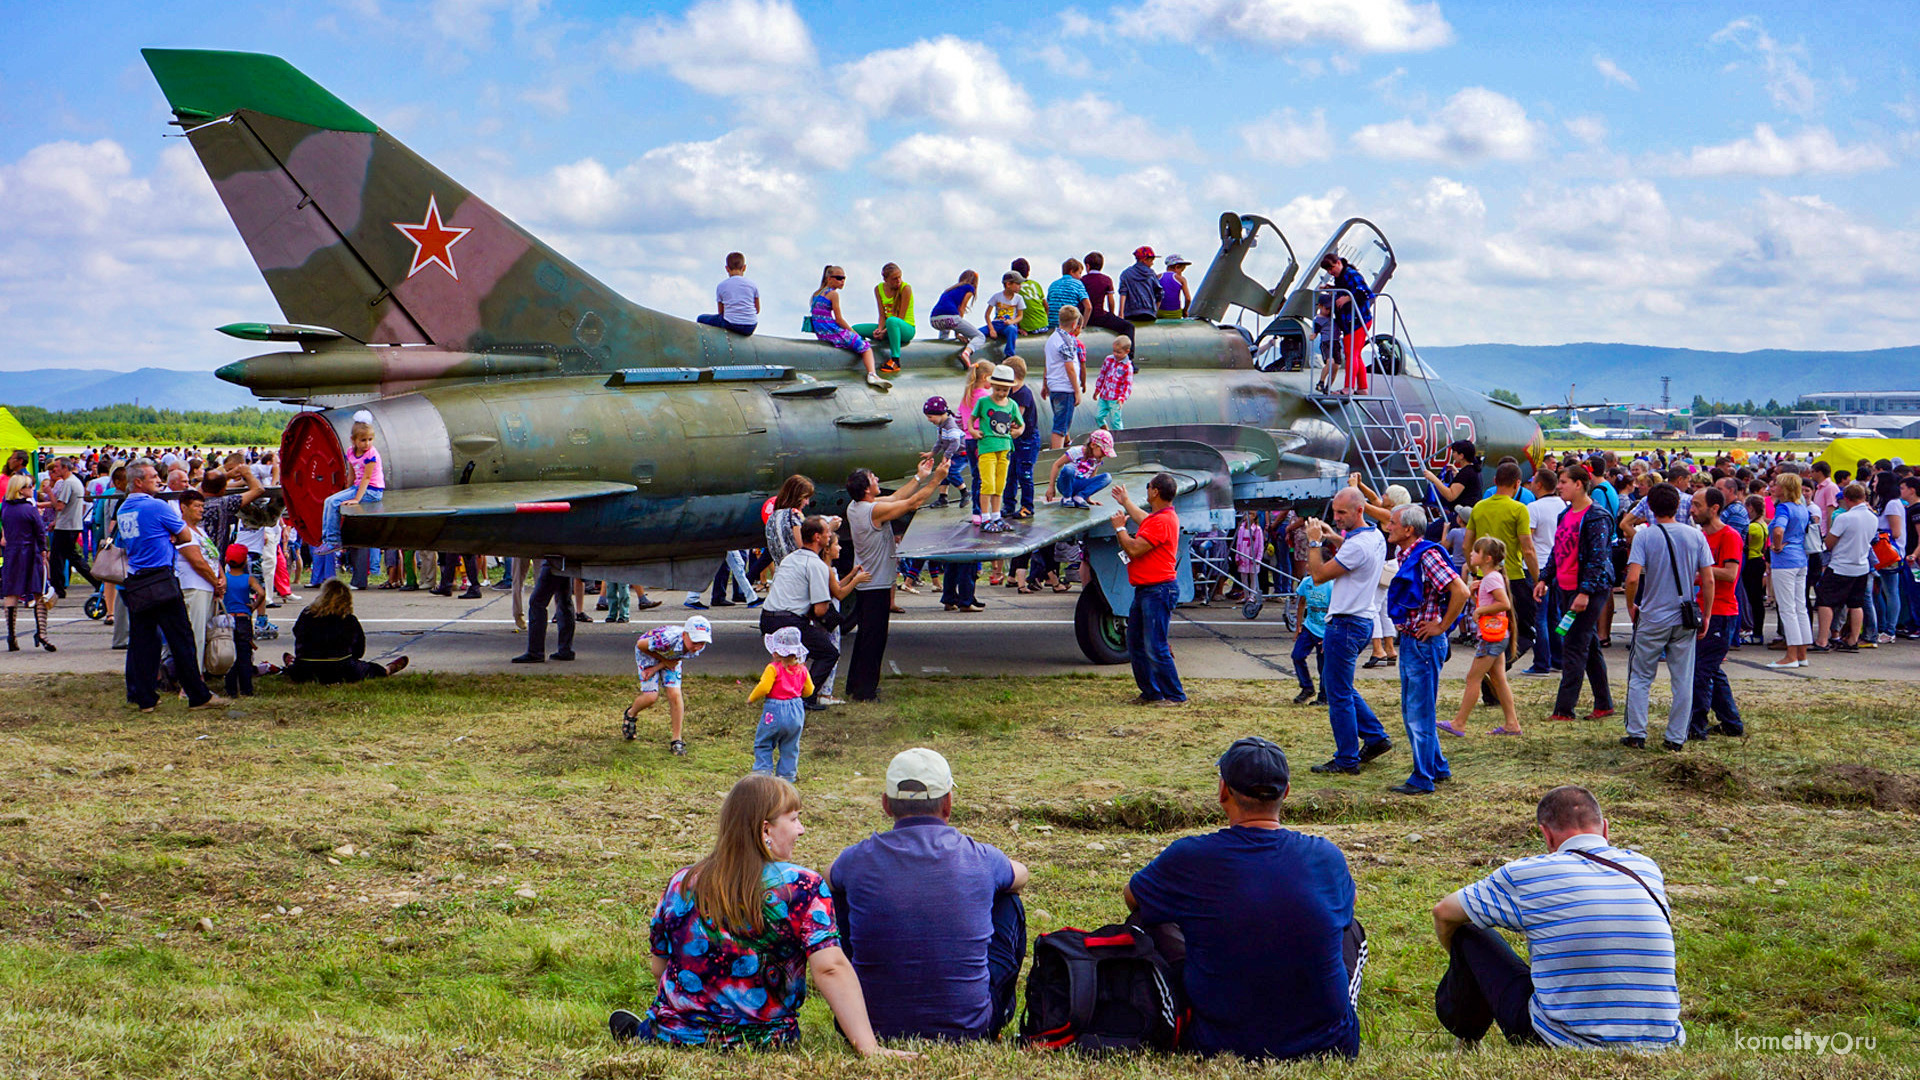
x,y
1377,438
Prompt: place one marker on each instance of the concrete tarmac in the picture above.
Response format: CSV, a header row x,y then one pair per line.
x,y
1015,635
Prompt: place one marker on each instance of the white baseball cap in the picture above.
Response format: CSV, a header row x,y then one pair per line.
x,y
919,775
699,629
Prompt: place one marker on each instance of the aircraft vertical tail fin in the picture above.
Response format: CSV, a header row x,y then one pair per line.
x,y
355,232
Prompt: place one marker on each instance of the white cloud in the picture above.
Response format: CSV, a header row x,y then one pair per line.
x,y
947,80
1788,83
669,188
1364,25
726,47
1062,61
1095,125
1764,153
1474,124
1285,137
1612,73
1591,130
470,22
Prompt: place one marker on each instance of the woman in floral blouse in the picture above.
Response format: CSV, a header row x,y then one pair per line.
x,y
737,933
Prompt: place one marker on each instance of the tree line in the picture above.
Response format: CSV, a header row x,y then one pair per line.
x,y
142,424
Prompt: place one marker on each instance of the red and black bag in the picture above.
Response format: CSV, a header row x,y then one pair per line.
x,y
1109,989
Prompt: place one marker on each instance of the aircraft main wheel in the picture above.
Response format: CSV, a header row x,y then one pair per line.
x,y
1102,634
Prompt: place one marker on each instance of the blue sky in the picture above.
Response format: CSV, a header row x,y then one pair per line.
x,y
1711,175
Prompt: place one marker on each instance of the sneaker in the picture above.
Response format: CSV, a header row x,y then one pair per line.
x,y
1303,697
940,503
1635,742
629,725
648,604
1728,731
1885,639
758,600
724,602
1599,714
978,519
624,1025
1336,767
1672,747
1375,749
470,594
829,699
677,747
694,605
1409,789
1537,673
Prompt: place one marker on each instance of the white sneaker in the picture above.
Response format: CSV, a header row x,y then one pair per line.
x,y
1884,639
829,699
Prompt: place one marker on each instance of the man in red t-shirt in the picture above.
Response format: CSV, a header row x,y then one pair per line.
x,y
1153,555
1710,686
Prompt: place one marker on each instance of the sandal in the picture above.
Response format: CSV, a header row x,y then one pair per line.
x,y
1449,729
1503,731
1027,590
1062,588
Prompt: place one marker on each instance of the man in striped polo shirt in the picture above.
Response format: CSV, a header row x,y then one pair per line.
x,y
1599,938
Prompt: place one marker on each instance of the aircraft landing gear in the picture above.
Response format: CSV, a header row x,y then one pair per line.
x,y
1102,634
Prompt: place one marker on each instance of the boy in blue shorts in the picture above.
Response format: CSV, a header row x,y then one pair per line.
x,y
657,655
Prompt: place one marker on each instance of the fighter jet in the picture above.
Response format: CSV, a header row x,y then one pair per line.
x,y
524,408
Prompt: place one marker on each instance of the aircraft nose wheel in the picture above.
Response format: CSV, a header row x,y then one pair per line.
x,y
1102,634
95,607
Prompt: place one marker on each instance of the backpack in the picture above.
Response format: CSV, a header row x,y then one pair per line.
x,y
1108,989
1404,591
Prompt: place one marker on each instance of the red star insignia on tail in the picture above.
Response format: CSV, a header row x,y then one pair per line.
x,y
432,241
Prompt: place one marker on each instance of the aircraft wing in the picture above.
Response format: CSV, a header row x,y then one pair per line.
x,y
513,497
949,535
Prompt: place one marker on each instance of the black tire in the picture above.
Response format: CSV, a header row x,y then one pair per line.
x,y
95,607
1102,634
1251,609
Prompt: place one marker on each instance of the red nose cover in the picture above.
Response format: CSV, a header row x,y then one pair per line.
x,y
312,467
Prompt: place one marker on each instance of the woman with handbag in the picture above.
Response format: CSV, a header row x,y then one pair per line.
x,y
24,575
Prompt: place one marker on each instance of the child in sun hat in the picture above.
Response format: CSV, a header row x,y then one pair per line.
x,y
785,685
998,420
1076,475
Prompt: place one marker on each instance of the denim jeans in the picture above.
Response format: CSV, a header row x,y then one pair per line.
x,y
1019,492
1711,690
1305,645
1348,713
777,738
1062,402
1420,664
1546,643
712,319
1072,485
957,587
1886,597
1009,335
1909,598
330,512
1147,624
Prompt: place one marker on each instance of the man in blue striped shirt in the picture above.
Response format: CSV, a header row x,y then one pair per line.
x,y
1599,939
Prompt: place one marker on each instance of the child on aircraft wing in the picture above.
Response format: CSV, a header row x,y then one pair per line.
x,y
1078,484
366,482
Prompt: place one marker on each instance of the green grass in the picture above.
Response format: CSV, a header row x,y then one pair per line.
x,y
413,956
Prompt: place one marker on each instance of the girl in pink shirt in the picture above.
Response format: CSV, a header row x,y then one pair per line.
x,y
367,482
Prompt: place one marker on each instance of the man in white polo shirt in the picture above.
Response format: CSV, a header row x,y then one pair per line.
x,y
1355,573
1599,973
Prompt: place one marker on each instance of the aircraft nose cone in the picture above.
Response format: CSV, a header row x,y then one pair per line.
x,y
235,373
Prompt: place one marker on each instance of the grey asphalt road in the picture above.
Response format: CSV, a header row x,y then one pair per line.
x,y
1015,635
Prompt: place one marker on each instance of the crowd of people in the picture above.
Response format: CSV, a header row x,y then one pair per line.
x,y
919,932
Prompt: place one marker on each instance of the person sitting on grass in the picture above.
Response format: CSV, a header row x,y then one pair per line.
x,y
656,656
931,917
1266,946
736,934
1600,970
329,645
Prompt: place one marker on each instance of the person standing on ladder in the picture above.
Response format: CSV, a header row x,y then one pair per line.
x,y
1352,317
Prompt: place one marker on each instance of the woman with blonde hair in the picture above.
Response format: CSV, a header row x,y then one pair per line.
x,y
1787,540
736,934
23,578
328,644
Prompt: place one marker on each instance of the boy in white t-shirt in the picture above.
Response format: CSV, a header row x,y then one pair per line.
x,y
737,300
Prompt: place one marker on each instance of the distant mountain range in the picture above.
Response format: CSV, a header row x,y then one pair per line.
x,y
69,388
1630,374
1538,373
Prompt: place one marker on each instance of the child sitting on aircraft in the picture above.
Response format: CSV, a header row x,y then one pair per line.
x,y
1078,484
657,656
1114,386
832,327
1004,310
785,684
949,445
997,419
367,482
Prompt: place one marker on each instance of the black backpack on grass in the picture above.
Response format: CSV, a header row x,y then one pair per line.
x,y
1108,989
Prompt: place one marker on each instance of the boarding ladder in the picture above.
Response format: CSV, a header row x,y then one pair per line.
x,y
1377,438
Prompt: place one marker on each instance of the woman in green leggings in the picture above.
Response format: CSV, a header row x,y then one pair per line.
x,y
894,298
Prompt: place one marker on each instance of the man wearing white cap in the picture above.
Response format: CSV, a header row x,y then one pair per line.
x,y
657,656
931,918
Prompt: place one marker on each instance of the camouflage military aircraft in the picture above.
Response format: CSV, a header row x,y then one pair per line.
x,y
524,408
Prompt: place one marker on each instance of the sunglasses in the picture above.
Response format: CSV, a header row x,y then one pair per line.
x,y
838,277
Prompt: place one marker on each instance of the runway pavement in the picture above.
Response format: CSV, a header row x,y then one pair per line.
x,y
1015,635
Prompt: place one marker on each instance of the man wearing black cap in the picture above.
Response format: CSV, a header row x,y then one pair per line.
x,y
1272,951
